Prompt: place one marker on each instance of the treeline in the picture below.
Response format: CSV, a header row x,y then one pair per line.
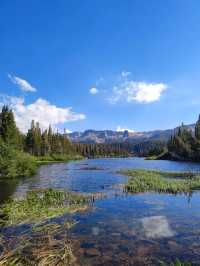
x,y
185,144
13,161
36,142
125,149
148,148
45,143
101,150
19,153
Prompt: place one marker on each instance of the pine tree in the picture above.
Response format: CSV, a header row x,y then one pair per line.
x,y
30,142
37,140
45,146
8,130
197,129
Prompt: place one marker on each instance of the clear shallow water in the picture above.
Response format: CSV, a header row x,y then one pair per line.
x,y
123,229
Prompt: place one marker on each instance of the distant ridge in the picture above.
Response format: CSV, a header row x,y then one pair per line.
x,y
109,136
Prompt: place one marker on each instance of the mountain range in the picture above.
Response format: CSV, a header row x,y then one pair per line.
x,y
110,136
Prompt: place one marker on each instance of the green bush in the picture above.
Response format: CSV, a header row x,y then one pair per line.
x,y
14,163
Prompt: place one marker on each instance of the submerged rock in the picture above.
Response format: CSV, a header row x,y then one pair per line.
x,y
92,252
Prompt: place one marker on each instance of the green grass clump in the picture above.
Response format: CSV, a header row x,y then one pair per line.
x,y
42,204
177,263
151,180
165,174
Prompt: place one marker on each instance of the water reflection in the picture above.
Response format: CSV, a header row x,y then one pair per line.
x,y
7,188
157,227
123,229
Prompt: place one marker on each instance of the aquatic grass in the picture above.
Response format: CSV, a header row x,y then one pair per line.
x,y
176,263
42,249
163,173
151,180
55,252
38,205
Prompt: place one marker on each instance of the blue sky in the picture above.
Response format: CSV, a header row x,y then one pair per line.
x,y
141,58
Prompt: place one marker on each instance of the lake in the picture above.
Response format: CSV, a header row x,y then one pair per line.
x,y
120,228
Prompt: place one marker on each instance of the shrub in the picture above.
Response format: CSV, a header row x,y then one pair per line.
x,y
14,163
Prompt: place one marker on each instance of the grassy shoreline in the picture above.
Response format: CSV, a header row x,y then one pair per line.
x,y
42,160
163,182
16,164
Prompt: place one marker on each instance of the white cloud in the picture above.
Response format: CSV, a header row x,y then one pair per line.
x,y
67,131
156,227
134,91
93,90
62,130
125,74
41,111
122,129
23,84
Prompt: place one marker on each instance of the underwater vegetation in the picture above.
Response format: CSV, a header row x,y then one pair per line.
x,y
46,243
42,248
177,263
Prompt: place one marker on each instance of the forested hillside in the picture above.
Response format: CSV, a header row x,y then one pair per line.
x,y
184,144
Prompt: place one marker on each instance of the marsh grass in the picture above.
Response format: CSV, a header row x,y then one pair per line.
x,y
165,182
42,204
176,263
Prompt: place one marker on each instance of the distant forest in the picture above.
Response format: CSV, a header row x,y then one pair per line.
x,y
184,144
42,143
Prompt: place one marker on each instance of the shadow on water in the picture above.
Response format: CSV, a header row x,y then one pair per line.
x,y
120,229
7,188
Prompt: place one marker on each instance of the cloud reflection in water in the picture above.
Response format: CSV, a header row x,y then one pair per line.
x,y
156,227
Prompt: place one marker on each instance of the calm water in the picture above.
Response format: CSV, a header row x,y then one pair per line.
x,y
123,229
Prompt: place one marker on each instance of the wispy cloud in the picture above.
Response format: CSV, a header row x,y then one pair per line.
x,y
137,91
23,84
122,129
125,74
40,110
93,90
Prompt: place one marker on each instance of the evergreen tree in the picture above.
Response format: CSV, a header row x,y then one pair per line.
x,y
37,140
30,143
186,145
45,146
8,130
197,129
